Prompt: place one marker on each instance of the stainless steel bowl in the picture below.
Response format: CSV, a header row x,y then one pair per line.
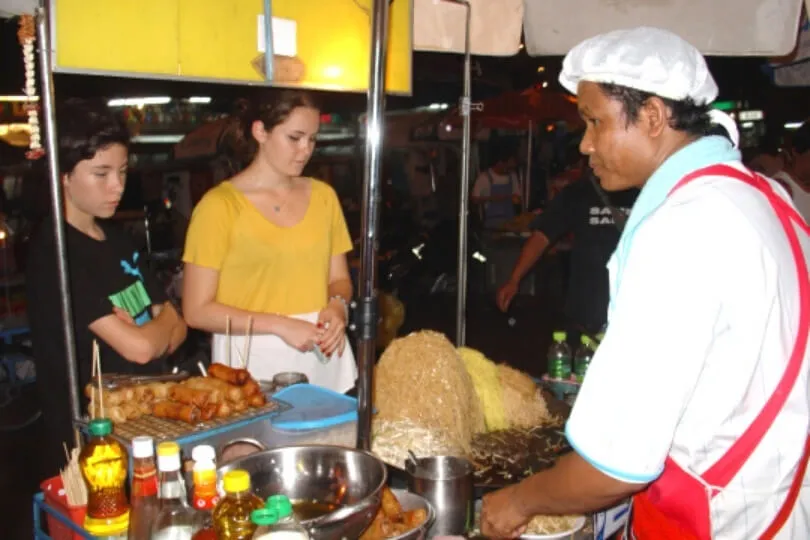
x,y
350,478
412,501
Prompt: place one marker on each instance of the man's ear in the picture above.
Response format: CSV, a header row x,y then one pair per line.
x,y
654,116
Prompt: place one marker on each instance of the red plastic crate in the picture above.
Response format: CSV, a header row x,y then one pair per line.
x,y
55,497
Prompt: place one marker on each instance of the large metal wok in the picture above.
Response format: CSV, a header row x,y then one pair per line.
x,y
351,479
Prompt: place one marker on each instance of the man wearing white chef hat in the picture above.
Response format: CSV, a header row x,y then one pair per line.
x,y
696,403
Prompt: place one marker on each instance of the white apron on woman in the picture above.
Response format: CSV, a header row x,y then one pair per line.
x,y
269,355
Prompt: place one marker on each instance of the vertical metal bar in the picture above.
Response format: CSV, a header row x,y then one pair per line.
x,y
51,148
367,307
268,40
527,182
464,189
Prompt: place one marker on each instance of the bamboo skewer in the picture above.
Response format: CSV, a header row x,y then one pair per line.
x,y
248,337
228,339
97,363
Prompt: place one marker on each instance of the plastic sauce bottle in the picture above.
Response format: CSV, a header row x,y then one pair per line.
x,y
144,489
287,526
582,359
104,465
175,520
205,496
559,358
232,514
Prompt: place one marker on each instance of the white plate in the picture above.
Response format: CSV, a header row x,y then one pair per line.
x,y
578,524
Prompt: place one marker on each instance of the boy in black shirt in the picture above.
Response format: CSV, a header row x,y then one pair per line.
x,y
115,299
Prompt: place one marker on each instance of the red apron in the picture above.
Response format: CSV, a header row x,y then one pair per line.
x,y
675,506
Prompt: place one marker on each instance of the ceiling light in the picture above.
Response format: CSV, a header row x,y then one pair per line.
x,y
138,102
541,69
545,84
793,125
9,99
200,99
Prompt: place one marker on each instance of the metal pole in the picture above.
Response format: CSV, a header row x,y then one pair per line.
x,y
527,182
464,189
367,308
49,118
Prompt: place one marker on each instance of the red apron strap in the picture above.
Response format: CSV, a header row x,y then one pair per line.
x,y
721,473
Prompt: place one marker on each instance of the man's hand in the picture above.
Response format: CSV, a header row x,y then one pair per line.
x,y
506,293
502,514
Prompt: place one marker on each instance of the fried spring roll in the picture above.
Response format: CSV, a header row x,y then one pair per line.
x,y
209,412
114,413
144,392
229,375
251,388
161,390
189,396
239,406
176,411
230,392
257,400
224,410
110,397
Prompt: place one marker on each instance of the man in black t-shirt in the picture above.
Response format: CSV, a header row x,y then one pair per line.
x,y
114,298
579,209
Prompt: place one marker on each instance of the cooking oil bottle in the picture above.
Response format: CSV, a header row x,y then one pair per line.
x,y
104,467
232,514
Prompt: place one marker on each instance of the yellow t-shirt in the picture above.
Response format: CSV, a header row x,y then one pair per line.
x,y
263,267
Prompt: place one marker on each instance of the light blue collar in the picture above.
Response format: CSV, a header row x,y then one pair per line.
x,y
704,152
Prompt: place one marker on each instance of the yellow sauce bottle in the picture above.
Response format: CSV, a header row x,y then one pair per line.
x,y
232,514
104,467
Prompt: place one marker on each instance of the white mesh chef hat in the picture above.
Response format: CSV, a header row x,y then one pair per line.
x,y
647,59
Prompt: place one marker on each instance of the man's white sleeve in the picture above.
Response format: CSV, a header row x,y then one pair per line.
x,y
661,328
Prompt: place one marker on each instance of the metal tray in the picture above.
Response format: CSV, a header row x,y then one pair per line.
x,y
162,429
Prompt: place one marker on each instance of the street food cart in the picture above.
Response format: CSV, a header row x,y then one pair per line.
x,y
154,41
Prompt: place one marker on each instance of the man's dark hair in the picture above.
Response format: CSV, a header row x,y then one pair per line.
x,y
502,151
687,115
85,127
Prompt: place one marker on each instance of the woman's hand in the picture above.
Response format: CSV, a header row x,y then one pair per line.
x,y
298,334
332,327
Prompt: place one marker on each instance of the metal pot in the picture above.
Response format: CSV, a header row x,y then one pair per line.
x,y
351,479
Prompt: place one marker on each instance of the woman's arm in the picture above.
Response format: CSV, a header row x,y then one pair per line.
x,y
335,315
202,311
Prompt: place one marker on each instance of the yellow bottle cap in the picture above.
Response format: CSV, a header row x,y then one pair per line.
x,y
168,449
236,481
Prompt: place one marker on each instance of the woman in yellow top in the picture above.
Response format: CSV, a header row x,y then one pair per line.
x,y
271,245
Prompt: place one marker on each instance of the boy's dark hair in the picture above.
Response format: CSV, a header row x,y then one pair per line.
x,y
83,128
687,115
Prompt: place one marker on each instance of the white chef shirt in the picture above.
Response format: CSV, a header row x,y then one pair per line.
x,y
801,198
701,328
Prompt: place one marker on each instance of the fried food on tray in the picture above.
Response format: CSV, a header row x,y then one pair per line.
x,y
391,520
551,524
197,399
228,374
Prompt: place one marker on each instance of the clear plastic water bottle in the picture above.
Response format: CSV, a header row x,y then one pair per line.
x,y
559,358
583,356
